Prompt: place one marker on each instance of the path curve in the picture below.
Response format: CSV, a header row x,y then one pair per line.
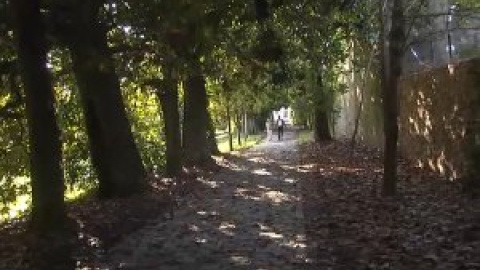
x,y
248,216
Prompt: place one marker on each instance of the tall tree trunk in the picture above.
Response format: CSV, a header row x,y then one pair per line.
x,y
112,147
48,219
238,124
212,139
393,70
246,130
229,119
321,125
168,96
48,212
195,124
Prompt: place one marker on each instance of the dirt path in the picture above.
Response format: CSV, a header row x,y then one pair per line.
x,y
247,217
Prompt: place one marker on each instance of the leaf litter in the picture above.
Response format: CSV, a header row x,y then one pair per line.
x,y
430,224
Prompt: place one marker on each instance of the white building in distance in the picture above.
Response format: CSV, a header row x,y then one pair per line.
x,y
286,114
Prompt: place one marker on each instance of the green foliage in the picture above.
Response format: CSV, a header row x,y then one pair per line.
x,y
145,116
467,4
15,195
14,161
250,141
78,168
147,124
268,47
291,58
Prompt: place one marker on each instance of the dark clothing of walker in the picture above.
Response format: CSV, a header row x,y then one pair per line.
x,y
280,127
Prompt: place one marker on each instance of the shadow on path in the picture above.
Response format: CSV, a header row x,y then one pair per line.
x,y
246,217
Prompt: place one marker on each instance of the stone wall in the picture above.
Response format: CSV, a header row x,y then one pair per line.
x,y
438,112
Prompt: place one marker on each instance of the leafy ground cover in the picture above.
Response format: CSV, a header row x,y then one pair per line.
x,y
101,224
346,222
430,225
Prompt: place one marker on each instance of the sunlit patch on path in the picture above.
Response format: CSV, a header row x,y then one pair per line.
x,y
248,216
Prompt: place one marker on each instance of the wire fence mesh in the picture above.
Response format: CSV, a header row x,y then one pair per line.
x,y
445,33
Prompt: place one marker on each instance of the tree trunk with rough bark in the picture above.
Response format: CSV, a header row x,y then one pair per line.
x,y
229,119
392,73
44,135
238,124
51,248
321,125
113,150
168,96
212,139
196,149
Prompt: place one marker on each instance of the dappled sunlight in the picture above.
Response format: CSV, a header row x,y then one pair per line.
x,y
272,235
193,227
298,242
211,183
245,217
451,69
19,189
240,260
261,172
437,111
347,169
161,183
330,170
91,240
263,188
257,159
304,168
349,223
200,240
248,194
213,215
227,228
266,194
277,197
261,160
289,167
290,180
19,207
441,165
294,242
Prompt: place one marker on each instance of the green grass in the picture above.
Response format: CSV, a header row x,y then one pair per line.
x,y
252,140
305,136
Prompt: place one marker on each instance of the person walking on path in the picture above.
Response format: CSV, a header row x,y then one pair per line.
x,y
280,126
268,126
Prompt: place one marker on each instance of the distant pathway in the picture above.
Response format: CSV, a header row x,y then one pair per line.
x,y
247,217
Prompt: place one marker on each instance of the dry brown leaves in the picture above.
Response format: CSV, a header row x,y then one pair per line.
x,y
429,225
102,223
